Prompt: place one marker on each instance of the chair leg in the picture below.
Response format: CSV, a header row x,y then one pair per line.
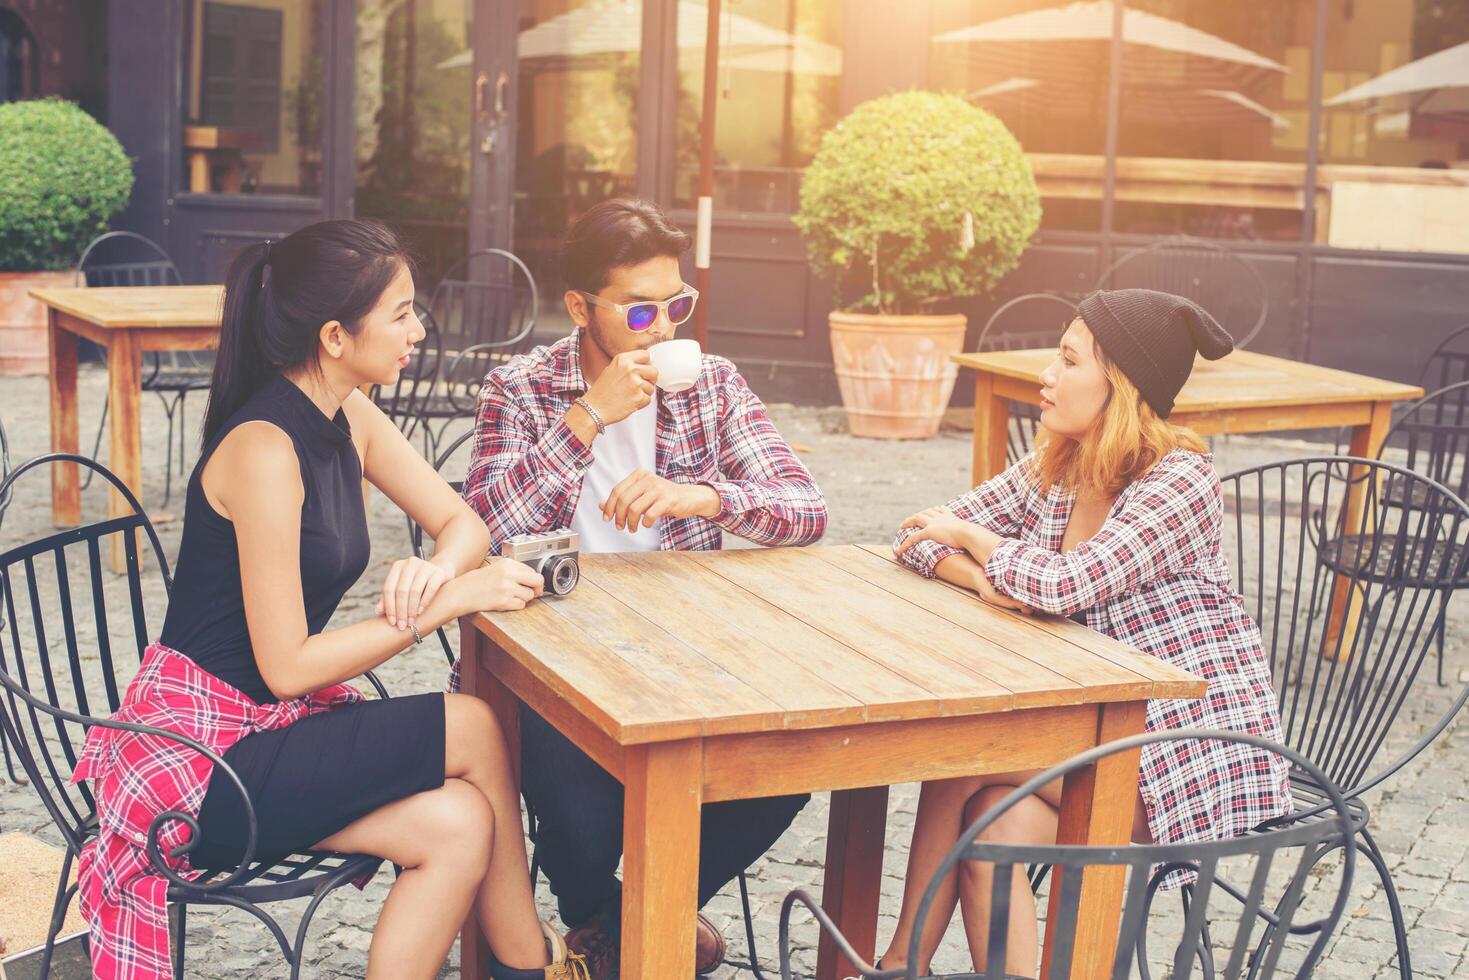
x,y
1442,628
1369,848
750,928
180,927
58,915
97,443
168,410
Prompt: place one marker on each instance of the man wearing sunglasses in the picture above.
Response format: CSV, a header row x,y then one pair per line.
x,y
577,435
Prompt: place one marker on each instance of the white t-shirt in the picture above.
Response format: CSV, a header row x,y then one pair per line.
x,y
626,446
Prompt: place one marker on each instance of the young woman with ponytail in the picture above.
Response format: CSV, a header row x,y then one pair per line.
x,y
275,533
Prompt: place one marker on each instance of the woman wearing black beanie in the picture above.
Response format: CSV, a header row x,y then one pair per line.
x,y
1113,520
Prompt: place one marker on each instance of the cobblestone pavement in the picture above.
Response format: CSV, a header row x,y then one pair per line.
x,y
1421,819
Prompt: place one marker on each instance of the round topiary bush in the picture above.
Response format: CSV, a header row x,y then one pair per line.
x,y
62,178
916,198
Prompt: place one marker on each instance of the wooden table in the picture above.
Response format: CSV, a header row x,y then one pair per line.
x,y
1243,392
694,677
127,320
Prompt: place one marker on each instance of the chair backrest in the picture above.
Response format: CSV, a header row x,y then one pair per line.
x,y
124,258
1434,435
6,494
1207,272
1449,362
1348,596
486,307
404,402
1277,886
65,643
1030,320
455,460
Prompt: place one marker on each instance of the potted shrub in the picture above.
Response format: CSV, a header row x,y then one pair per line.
x,y
63,177
913,201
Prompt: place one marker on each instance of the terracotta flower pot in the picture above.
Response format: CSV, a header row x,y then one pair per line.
x,y
23,320
895,372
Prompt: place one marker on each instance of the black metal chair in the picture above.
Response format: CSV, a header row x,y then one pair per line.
x,y
1278,896
1449,362
485,307
124,258
1023,322
1207,272
415,532
59,586
1348,606
1433,435
5,497
405,401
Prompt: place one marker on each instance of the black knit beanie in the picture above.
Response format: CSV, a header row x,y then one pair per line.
x,y
1153,338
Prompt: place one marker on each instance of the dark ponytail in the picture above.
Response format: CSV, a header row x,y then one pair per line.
x,y
278,295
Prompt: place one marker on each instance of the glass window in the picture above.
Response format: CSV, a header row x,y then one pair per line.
x,y
780,71
252,114
1395,126
577,122
18,67
1041,66
1215,117
412,110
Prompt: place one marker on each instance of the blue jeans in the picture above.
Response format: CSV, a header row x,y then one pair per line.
x,y
578,807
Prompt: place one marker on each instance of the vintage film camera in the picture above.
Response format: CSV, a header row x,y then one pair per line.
x,y
552,553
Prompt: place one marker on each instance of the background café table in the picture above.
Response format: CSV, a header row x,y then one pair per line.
x,y
126,320
1242,392
695,677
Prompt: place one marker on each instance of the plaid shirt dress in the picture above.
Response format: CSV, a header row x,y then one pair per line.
x,y
137,776
527,466
1155,578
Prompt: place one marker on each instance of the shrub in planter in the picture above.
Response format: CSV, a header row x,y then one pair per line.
x,y
913,200
63,177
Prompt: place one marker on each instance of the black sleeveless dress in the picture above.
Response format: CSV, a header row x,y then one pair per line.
x,y
311,779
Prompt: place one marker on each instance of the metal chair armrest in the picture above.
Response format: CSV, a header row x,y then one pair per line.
x,y
155,854
868,971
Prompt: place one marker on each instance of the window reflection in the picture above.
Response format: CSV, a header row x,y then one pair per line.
x,y
779,85
253,97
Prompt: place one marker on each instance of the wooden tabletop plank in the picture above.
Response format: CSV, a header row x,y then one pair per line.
x,y
1100,679
664,658
604,688
1168,681
924,648
683,602
138,306
1241,379
778,637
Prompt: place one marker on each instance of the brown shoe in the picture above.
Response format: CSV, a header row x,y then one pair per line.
x,y
708,946
599,949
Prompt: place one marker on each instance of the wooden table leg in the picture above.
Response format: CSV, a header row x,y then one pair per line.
x,y
991,429
474,950
660,859
1097,805
855,842
125,392
66,494
1346,602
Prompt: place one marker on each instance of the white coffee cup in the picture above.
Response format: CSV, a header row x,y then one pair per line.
x,y
678,362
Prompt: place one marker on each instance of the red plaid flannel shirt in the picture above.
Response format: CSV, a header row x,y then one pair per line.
x,y
1154,576
527,466
137,776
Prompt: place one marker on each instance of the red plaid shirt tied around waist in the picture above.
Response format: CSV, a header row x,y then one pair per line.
x,y
1155,578
527,466
137,776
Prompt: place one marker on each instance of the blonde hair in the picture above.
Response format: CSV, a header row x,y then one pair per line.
x,y
1124,443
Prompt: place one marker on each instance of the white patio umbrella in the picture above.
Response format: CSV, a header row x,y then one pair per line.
x,y
613,27
1440,81
1170,71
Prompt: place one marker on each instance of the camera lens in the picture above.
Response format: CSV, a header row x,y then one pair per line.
x,y
562,575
